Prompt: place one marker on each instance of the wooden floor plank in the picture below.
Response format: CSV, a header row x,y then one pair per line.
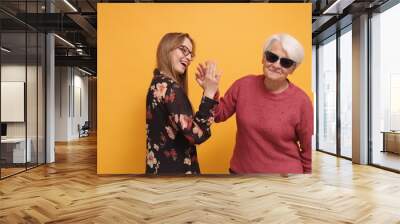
x,y
70,191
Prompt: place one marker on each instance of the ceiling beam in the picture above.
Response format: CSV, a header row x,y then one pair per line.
x,y
84,24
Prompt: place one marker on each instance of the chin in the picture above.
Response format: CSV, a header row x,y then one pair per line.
x,y
179,71
273,76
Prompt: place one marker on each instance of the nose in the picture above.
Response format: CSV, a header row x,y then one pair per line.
x,y
277,64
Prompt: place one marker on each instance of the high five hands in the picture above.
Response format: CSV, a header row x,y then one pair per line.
x,y
208,78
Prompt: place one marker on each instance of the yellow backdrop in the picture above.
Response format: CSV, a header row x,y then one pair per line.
x,y
231,34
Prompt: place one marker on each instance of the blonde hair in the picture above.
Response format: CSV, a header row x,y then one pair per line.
x,y
292,46
168,43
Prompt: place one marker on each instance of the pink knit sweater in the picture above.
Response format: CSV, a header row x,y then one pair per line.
x,y
269,126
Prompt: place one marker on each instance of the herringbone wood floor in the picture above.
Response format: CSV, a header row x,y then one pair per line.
x,y
69,191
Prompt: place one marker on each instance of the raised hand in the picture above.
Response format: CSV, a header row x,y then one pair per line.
x,y
208,78
201,74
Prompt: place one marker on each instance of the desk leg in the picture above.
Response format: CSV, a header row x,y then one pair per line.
x,y
384,143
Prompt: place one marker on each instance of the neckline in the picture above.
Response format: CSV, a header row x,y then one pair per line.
x,y
276,96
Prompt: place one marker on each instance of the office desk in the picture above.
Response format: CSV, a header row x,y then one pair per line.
x,y
391,141
13,150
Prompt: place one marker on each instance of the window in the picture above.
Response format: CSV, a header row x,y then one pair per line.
x,y
346,75
385,89
327,96
22,65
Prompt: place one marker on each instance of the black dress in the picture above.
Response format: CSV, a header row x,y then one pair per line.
x,y
173,129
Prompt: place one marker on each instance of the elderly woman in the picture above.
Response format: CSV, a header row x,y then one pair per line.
x,y
274,117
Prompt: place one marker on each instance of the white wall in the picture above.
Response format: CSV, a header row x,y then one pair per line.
x,y
16,73
62,78
81,102
71,102
33,127
13,73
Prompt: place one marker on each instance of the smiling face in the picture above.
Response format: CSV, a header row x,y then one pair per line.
x,y
181,57
273,71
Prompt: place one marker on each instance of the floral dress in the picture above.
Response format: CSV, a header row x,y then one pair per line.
x,y
173,129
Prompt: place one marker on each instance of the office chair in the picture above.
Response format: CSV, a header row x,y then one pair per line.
x,y
84,130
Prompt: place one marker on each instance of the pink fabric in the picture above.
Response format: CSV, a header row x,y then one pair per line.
x,y
268,127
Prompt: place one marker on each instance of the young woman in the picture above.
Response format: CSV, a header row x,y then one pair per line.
x,y
173,129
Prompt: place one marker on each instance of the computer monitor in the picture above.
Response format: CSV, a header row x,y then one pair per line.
x,y
3,129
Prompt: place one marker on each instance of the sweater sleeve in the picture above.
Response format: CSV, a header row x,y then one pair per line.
x,y
304,132
227,104
195,128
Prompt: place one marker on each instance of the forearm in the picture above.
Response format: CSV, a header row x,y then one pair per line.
x,y
202,120
306,152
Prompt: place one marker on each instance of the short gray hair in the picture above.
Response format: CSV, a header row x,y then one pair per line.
x,y
292,46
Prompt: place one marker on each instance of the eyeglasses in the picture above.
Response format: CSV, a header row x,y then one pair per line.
x,y
185,50
284,62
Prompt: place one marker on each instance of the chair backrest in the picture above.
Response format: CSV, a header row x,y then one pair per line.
x,y
86,125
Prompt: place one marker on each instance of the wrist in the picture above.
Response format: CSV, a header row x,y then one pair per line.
x,y
209,94
216,95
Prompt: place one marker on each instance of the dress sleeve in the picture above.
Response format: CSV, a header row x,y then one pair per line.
x,y
195,128
304,132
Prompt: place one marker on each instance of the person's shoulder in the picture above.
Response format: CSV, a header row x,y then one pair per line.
x,y
247,79
164,81
301,94
162,86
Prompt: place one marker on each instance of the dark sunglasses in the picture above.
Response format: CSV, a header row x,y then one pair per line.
x,y
284,62
185,50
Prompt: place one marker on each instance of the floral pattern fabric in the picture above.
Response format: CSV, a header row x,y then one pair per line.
x,y
173,129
